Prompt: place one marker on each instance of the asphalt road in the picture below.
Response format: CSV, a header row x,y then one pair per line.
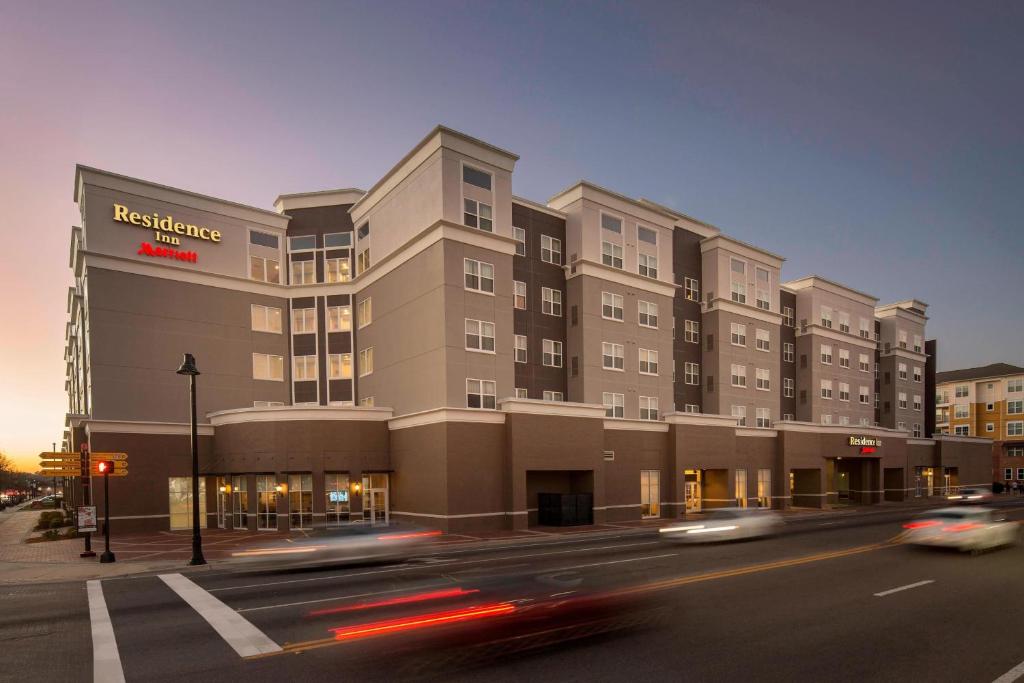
x,y
801,606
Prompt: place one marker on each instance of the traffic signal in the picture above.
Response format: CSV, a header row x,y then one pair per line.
x,y
105,466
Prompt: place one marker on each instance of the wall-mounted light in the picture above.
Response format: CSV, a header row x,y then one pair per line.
x,y
356,486
281,488
225,488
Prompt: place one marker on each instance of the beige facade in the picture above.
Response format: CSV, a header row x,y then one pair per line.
x,y
902,361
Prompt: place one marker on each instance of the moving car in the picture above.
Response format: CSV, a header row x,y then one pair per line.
x,y
340,545
972,529
724,525
972,496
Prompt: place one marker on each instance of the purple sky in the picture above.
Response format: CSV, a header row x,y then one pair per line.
x,y
880,145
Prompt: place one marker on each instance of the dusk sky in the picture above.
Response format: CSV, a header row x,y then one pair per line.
x,y
880,145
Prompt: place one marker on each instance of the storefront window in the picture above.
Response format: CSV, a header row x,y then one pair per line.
x,y
300,499
764,488
650,493
180,499
337,494
266,502
239,502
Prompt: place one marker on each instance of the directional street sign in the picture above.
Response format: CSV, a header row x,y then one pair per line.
x,y
108,456
61,473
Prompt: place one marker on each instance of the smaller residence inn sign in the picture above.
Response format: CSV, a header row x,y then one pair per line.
x,y
167,231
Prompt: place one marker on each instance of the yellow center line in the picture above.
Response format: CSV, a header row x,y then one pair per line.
x,y
295,648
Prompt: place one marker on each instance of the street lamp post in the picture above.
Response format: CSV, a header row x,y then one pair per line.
x,y
188,367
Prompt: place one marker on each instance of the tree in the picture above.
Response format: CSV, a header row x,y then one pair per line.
x,y
6,470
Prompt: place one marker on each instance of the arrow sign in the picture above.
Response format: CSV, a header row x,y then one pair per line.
x,y
61,473
108,456
59,456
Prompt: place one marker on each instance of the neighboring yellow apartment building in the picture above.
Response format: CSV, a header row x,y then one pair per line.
x,y
986,402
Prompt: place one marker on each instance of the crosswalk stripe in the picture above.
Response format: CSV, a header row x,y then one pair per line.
x,y
106,662
240,634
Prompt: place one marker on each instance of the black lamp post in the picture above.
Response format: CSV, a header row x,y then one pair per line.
x,y
188,367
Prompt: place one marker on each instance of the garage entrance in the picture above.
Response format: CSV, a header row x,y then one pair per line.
x,y
857,480
566,496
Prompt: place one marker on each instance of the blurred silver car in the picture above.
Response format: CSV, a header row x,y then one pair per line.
x,y
725,525
971,496
341,545
973,529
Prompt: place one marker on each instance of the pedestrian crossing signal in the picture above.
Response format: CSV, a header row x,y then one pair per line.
x,y
105,466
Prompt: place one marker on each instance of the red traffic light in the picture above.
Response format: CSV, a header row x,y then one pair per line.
x,y
105,466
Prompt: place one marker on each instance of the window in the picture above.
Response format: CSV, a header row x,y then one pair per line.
x,y
691,373
739,292
337,269
844,420
304,368
363,261
787,316
364,312
1015,385
865,395
738,334
826,354
479,335
264,269
864,363
917,402
844,321
611,254
691,332
611,356
520,348
990,427
646,235
691,289
787,352
1015,452
303,272
647,314
763,380
265,318
989,407
917,374
304,320
1015,407
519,235
1008,473
551,301
962,430
738,374
648,265
826,317
901,370
762,289
764,418
263,239
266,366
553,353
648,407
611,223
865,328
479,276
338,240
650,493
961,411
763,340
339,365
480,393
691,408
473,176
787,387
917,343
740,414
1015,428
477,215
648,362
844,358
844,391
521,393
519,295
901,400
366,362
902,336
613,404
336,491
180,502
339,318
826,419
962,391
826,389
550,250
611,306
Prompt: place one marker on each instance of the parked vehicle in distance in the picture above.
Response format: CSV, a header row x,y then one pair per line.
x,y
340,545
724,525
972,496
972,529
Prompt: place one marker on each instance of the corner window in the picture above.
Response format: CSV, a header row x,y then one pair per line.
x,y
479,276
481,393
519,235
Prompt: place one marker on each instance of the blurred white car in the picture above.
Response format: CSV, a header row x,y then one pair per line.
x,y
972,496
971,529
725,525
341,545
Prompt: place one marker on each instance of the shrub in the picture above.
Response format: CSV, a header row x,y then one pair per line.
x,y
56,523
72,532
51,534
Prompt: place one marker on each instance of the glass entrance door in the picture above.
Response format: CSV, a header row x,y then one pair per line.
x,y
650,493
764,488
740,492
180,502
376,507
266,503
929,481
691,491
222,503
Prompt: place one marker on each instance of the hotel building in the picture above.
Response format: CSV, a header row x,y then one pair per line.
x,y
438,350
986,402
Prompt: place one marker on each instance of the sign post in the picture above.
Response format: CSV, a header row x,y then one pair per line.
x,y
86,518
86,474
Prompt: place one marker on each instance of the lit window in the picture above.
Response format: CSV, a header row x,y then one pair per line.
x,y
338,269
264,269
303,272
340,365
304,368
364,312
304,320
366,361
265,318
265,366
339,318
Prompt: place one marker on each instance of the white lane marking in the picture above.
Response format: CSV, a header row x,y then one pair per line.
x,y
406,589
1012,675
904,588
601,564
246,639
106,662
446,563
